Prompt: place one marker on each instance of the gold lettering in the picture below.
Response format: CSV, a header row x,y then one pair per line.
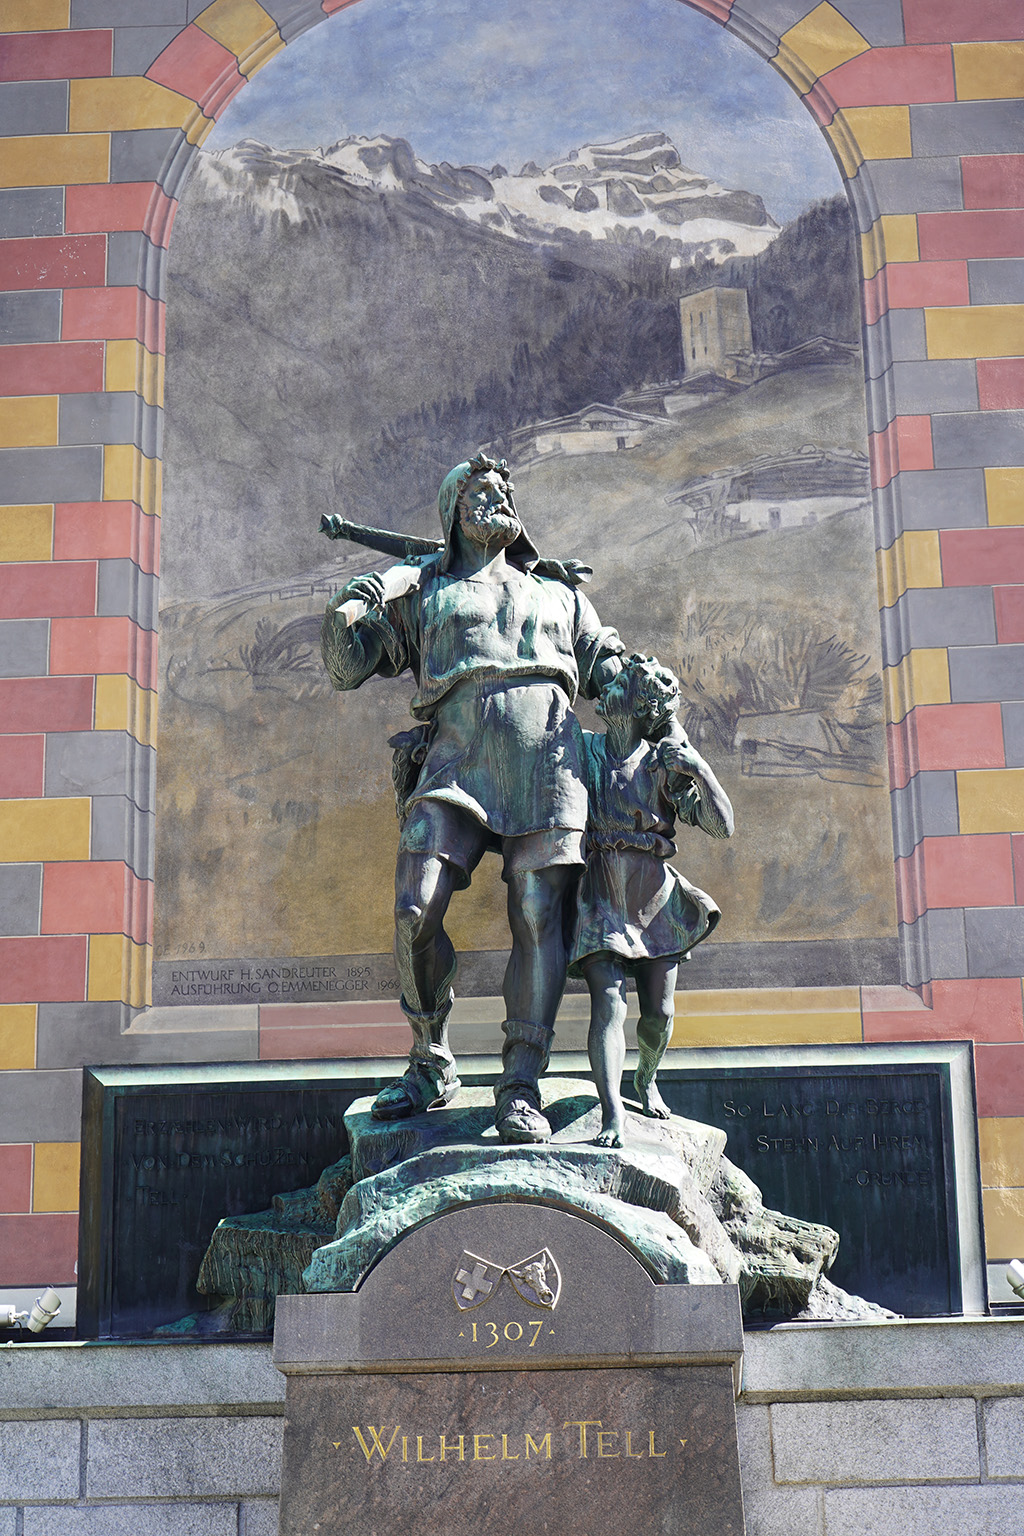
x,y
652,1451
377,1444
336,1444
405,1447
537,1326
504,1450
419,1450
636,1455
602,1436
476,1448
460,1446
682,1442
582,1425
531,1444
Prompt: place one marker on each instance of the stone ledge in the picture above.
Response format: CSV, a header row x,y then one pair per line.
x,y
138,1377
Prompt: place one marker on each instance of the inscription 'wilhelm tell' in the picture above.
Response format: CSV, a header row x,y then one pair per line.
x,y
582,1440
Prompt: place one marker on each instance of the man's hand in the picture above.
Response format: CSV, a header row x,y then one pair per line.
x,y
368,588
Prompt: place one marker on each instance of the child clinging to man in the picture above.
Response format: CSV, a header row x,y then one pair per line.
x,y
636,915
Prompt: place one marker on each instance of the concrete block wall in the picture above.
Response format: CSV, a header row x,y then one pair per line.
x,y
102,103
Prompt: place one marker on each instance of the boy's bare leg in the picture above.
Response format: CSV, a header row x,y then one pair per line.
x,y
606,1044
655,987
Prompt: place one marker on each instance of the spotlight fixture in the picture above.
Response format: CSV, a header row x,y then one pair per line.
x,y
44,1310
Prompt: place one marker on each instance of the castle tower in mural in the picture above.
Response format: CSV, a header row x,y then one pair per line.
x,y
716,326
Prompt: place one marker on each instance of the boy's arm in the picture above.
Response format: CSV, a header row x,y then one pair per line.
x,y
700,798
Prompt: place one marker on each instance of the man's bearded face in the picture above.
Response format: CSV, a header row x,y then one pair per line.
x,y
485,514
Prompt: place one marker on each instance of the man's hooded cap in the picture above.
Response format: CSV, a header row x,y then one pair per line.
x,y
521,551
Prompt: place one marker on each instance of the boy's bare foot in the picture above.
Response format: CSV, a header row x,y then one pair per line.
x,y
612,1130
653,1104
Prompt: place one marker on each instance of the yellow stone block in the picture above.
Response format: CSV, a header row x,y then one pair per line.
x,y
708,1029
50,160
129,476
822,41
922,677
914,560
38,830
1004,491
26,533
198,127
991,799
988,71
1001,1144
977,330
121,705
1004,1223
119,970
17,1036
241,26
880,133
129,367
893,237
35,15
788,1000
29,421
125,102
55,1176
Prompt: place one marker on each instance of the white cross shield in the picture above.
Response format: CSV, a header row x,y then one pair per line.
x,y
475,1279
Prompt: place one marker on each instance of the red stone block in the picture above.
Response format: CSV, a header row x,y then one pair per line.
x,y
294,1044
15,1177
29,704
113,314
874,298
43,970
1001,383
985,1009
887,77
52,368
882,456
196,66
53,261
975,871
38,590
106,530
1009,603
981,557
102,646
947,736
329,1015
56,55
900,748
1017,846
962,21
911,900
987,234
999,1073
95,897
21,767
914,442
993,181
127,205
38,1250
915,284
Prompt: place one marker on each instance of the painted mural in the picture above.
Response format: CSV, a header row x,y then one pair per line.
x,y
608,244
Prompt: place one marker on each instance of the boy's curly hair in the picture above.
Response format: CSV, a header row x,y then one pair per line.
x,y
653,690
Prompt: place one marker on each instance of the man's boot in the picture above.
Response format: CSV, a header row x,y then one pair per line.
x,y
524,1059
431,1077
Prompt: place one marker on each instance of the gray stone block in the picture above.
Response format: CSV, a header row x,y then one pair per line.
x,y
36,106
29,475
8,1520
132,1520
777,16
941,498
879,21
28,211
30,316
897,336
40,1459
150,154
1004,1436
995,940
183,1458
294,17
966,128
24,647
997,282
991,1511
768,1509
79,1034
935,947
979,674
127,13
914,186
121,831
136,48
134,261
926,807
112,1376
121,588
41,1106
1013,735
920,389
929,617
100,763
875,1441
258,1517
985,438
21,891
111,418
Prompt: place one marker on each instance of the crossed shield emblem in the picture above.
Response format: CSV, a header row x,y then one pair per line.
x,y
537,1280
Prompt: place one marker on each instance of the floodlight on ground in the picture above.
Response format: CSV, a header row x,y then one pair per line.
x,y
1015,1277
44,1310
